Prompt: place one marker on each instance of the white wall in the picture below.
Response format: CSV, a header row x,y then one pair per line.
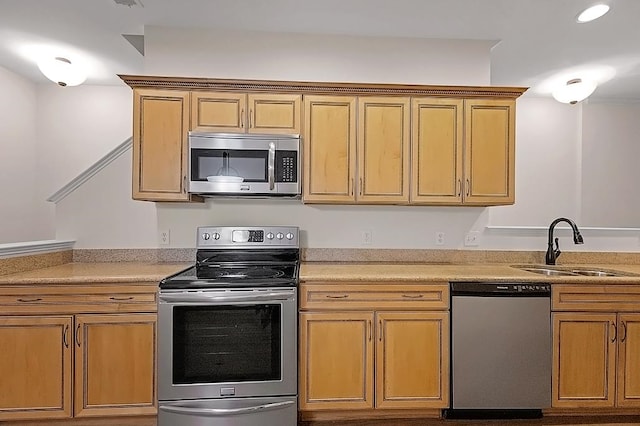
x,y
548,152
23,215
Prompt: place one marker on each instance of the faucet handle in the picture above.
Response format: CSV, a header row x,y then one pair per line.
x,y
557,251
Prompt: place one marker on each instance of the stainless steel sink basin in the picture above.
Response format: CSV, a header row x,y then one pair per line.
x,y
572,271
546,271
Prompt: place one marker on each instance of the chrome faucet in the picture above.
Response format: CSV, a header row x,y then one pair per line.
x,y
552,254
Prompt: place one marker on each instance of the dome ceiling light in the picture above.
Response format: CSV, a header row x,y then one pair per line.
x,y
574,91
592,13
61,71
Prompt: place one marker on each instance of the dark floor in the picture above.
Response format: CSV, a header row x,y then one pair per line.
x,y
565,421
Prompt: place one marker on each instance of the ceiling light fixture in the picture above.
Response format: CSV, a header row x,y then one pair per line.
x,y
592,13
574,91
62,71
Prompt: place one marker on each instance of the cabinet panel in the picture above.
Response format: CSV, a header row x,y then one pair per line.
x,y
329,149
218,112
437,136
35,367
160,124
115,365
584,351
489,152
412,360
336,360
628,392
275,113
590,297
383,149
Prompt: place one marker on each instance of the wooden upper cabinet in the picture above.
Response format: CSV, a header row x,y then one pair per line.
x,y
229,112
160,145
437,150
35,367
383,150
329,149
489,165
115,370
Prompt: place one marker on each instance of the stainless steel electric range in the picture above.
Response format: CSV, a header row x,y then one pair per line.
x,y
227,340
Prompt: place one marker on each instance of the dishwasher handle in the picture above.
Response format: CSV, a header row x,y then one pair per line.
x,y
499,289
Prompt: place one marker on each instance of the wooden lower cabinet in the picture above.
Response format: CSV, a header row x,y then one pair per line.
x,y
77,351
35,367
115,364
596,360
373,359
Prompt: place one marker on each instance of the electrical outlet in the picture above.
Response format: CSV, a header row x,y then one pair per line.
x,y
367,237
439,238
472,239
164,237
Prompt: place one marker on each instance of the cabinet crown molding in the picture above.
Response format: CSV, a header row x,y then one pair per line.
x,y
193,83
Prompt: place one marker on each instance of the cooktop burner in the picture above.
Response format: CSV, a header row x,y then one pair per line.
x,y
241,257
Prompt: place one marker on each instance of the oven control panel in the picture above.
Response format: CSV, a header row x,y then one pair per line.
x,y
251,236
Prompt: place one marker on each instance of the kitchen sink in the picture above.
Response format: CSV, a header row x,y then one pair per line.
x,y
551,270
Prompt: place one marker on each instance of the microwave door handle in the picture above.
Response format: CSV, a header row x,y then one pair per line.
x,y
224,411
271,165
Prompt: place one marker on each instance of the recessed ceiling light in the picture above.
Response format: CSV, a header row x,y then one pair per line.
x,y
592,13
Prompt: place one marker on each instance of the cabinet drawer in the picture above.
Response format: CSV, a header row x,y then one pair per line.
x,y
618,298
64,299
374,296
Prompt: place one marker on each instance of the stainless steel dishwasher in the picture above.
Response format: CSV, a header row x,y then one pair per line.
x,y
500,350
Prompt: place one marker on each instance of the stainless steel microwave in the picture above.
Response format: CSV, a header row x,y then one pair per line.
x,y
229,164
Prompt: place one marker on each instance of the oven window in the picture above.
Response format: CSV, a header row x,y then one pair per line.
x,y
249,164
213,344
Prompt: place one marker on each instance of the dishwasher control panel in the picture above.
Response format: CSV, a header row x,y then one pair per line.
x,y
497,289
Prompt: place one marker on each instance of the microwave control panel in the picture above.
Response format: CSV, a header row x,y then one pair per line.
x,y
286,166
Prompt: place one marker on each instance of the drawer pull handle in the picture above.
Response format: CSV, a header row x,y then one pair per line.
x,y
122,298
380,329
624,332
370,328
615,332
29,300
78,335
342,296
413,296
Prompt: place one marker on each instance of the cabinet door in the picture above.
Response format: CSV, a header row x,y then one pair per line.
x,y
218,112
383,150
584,360
115,371
489,152
412,360
35,367
160,161
628,392
336,360
275,113
329,149
436,142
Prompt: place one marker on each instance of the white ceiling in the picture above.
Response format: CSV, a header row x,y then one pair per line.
x,y
538,41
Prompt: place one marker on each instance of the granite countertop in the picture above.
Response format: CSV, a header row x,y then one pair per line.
x,y
403,272
89,273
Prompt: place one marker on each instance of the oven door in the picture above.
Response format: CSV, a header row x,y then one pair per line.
x,y
244,164
219,343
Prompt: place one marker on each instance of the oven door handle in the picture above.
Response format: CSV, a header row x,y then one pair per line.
x,y
223,411
200,298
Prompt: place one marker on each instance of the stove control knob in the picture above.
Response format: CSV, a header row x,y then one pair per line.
x,y
289,236
279,235
270,236
206,236
216,236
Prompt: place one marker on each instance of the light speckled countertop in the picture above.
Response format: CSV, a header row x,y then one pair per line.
x,y
88,273
372,272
